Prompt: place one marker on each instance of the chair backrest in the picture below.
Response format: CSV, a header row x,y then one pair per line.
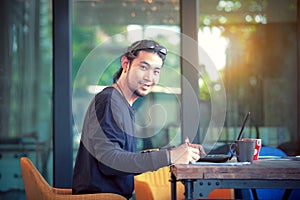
x,y
270,193
159,183
142,190
36,187
271,151
156,185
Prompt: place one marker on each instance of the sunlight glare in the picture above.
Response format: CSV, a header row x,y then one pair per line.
x,y
215,45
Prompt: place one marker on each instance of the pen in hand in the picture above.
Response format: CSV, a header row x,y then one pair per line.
x,y
187,141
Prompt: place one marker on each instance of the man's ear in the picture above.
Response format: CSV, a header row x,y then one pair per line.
x,y
125,63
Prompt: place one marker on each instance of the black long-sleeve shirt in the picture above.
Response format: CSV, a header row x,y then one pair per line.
x,y
107,158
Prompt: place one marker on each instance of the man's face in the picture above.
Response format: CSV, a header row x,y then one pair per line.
x,y
144,73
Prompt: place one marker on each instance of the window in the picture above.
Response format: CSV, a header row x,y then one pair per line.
x,y
100,37
255,66
253,46
26,89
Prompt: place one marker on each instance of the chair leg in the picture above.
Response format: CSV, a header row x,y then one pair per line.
x,y
254,193
287,194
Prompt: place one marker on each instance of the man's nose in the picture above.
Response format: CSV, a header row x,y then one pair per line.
x,y
149,75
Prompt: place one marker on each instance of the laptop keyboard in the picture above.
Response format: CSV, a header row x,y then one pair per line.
x,y
214,158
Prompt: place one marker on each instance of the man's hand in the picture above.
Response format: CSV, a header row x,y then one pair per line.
x,y
201,149
186,153
198,146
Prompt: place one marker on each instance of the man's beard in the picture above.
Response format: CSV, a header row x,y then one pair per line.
x,y
137,93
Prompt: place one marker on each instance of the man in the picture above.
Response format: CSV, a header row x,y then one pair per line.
x,y
107,160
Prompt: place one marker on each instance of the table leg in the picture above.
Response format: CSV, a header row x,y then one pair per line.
x,y
173,187
188,185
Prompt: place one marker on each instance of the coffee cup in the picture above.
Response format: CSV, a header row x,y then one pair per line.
x,y
258,144
243,150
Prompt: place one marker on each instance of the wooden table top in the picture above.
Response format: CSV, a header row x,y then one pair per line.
x,y
276,169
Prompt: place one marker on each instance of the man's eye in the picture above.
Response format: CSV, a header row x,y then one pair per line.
x,y
156,72
143,67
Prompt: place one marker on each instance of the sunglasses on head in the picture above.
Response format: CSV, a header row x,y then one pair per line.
x,y
144,44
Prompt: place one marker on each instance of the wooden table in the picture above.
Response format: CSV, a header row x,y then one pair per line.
x,y
200,180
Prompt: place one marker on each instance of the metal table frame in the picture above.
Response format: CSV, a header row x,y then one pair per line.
x,y
196,188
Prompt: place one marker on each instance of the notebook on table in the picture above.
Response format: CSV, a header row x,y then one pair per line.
x,y
218,158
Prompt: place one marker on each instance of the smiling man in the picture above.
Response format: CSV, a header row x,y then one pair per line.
x,y
107,159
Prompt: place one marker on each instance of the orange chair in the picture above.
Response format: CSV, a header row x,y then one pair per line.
x,y
37,188
142,190
222,194
156,185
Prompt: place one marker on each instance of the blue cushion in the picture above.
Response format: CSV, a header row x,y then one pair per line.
x,y
265,194
271,151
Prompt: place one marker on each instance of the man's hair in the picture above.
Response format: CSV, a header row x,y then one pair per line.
x,y
142,45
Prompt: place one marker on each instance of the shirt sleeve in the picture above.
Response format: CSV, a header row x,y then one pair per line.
x,y
105,137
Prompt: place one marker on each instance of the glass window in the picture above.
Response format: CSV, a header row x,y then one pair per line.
x,y
26,90
253,45
101,32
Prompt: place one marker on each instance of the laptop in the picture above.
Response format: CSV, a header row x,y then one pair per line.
x,y
218,158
